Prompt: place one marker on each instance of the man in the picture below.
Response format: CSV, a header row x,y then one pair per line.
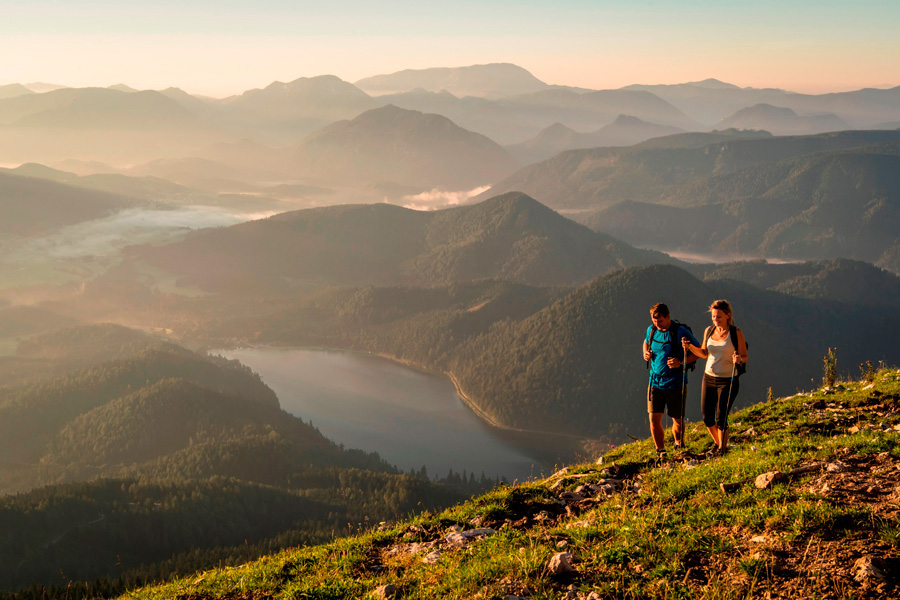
x,y
665,353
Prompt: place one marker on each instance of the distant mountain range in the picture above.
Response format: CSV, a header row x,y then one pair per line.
x,y
825,196
484,81
123,126
394,145
711,100
624,131
781,121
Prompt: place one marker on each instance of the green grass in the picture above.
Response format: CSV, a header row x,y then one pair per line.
x,y
680,537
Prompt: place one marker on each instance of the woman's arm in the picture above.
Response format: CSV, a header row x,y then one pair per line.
x,y
701,351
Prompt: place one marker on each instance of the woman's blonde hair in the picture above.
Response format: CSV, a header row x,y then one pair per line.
x,y
725,307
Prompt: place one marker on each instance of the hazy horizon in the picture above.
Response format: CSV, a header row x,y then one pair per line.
x,y
222,49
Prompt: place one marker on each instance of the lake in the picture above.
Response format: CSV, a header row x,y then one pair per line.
x,y
410,417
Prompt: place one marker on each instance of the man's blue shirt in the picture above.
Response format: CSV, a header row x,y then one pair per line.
x,y
664,346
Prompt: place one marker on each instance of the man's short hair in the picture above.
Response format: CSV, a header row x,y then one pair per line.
x,y
659,310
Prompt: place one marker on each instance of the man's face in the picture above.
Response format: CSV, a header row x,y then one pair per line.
x,y
661,322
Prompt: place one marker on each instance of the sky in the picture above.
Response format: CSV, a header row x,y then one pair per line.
x,y
224,47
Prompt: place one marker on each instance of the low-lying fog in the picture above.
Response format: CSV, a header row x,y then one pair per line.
x,y
107,236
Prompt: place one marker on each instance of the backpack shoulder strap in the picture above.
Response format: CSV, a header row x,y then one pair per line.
x,y
707,334
734,337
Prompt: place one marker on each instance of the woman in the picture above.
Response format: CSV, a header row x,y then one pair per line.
x,y
725,348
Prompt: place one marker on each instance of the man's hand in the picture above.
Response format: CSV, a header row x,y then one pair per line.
x,y
673,363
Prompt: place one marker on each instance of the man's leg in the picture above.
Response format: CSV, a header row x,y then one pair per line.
x,y
678,430
656,430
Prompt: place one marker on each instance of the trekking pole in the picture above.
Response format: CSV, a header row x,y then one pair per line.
x,y
730,381
683,396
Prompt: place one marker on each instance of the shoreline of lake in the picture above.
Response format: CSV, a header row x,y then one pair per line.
x,y
410,415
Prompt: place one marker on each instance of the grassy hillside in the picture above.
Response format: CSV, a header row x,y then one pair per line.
x,y
634,528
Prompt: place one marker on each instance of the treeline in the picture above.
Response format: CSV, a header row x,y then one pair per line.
x,y
97,538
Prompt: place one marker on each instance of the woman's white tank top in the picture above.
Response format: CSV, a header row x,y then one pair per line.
x,y
721,357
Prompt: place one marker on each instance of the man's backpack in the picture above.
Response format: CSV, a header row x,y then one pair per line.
x,y
732,332
677,348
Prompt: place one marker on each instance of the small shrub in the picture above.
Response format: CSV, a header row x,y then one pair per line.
x,y
830,364
868,371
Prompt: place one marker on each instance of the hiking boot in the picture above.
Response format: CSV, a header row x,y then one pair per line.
x,y
679,448
713,452
661,454
723,451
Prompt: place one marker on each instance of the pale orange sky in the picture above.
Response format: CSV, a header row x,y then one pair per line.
x,y
227,47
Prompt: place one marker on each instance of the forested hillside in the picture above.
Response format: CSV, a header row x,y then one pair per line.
x,y
135,458
509,237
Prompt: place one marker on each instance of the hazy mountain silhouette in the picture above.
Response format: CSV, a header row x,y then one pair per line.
x,y
121,87
152,189
781,121
13,89
823,205
509,237
204,174
39,87
624,131
475,114
98,108
486,81
655,170
850,281
710,102
30,206
390,144
300,105
586,111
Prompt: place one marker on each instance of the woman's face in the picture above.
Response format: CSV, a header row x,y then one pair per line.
x,y
719,318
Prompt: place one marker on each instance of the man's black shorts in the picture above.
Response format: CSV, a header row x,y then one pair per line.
x,y
658,400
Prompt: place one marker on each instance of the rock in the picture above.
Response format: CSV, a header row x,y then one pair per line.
x,y
853,429
432,558
462,538
561,563
578,524
571,497
562,543
758,539
826,490
868,571
456,539
835,468
600,461
386,591
750,432
766,480
454,528
594,596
